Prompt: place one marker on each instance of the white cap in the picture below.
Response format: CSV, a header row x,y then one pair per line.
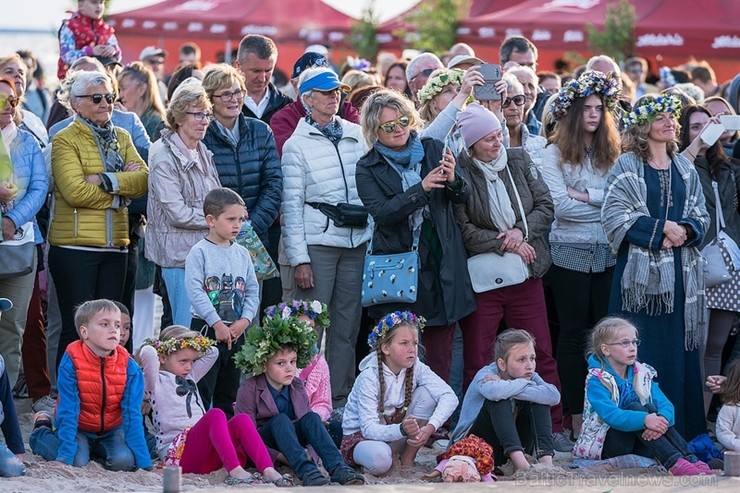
x,y
460,59
151,51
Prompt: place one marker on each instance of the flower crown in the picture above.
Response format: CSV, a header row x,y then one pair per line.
x,y
170,346
436,83
646,110
316,310
591,82
274,334
389,322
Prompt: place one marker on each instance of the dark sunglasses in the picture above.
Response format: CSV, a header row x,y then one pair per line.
x,y
426,71
390,127
11,100
517,100
97,98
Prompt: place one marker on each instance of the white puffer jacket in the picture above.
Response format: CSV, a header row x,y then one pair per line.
x,y
315,170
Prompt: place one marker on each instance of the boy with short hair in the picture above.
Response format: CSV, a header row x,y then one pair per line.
x,y
86,34
101,389
223,292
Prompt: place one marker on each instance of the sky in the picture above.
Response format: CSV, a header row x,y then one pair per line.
x,y
47,14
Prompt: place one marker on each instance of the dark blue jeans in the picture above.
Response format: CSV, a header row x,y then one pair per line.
x,y
110,449
291,438
511,425
667,449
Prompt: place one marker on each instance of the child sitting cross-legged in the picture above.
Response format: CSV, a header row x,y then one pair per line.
x,y
277,402
198,441
397,401
101,389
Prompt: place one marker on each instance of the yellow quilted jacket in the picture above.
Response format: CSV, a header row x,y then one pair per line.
x,y
83,213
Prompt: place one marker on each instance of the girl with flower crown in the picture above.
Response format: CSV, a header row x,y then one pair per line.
x,y
582,150
198,441
654,217
397,402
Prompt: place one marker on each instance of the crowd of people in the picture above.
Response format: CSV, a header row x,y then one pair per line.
x,y
559,223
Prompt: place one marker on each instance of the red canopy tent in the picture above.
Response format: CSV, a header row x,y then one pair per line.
x,y
667,28
218,25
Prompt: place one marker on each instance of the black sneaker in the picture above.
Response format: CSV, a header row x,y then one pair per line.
x,y
314,478
345,475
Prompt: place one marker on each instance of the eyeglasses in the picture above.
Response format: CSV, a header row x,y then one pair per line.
x,y
229,96
426,72
11,100
97,98
390,127
625,344
517,100
200,116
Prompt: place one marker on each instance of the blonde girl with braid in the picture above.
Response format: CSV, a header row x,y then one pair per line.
x,y
397,401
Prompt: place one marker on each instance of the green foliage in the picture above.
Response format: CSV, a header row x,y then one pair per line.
x,y
435,23
363,37
618,37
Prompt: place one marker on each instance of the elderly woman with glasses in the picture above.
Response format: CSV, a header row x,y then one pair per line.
x,y
139,93
23,187
512,108
408,185
243,149
182,173
326,255
97,172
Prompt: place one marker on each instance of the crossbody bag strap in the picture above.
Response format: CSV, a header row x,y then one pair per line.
x,y
519,203
414,245
718,208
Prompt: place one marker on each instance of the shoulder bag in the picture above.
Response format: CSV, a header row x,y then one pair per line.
x,y
16,255
716,270
343,215
391,277
489,271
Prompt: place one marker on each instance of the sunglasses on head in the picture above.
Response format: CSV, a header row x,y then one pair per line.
x,y
390,127
427,72
97,98
517,100
12,100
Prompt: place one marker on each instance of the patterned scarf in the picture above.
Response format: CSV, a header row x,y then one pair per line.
x,y
648,281
332,130
107,140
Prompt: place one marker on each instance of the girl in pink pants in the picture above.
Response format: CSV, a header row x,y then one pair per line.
x,y
200,442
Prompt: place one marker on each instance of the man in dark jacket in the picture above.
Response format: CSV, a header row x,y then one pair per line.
x,y
256,59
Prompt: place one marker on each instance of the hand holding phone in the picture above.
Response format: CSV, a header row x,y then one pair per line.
x,y
491,74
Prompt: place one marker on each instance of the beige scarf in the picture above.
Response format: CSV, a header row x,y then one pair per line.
x,y
502,214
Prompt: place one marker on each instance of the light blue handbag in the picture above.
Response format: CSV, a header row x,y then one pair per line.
x,y
391,277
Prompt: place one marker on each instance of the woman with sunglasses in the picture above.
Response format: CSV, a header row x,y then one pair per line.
x,y
139,93
512,108
97,172
243,149
182,173
408,185
584,147
325,254
23,187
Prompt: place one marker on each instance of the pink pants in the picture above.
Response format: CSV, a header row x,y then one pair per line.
x,y
213,443
522,307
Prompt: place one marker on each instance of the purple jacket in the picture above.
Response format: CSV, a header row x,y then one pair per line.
x,y
254,398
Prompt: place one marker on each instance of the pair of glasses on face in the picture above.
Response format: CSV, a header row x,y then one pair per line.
x,y
625,344
390,127
97,98
11,100
230,96
200,116
517,100
426,72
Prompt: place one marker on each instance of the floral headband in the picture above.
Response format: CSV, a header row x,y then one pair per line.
x,y
436,83
390,321
274,334
316,310
170,346
589,83
648,109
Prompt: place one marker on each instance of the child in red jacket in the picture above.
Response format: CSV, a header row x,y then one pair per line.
x,y
86,34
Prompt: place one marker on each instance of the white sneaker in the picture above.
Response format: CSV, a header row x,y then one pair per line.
x,y
45,403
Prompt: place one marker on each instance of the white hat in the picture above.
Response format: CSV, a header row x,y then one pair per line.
x,y
150,51
460,59
320,49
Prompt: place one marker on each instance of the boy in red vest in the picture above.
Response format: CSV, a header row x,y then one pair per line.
x,y
101,389
86,34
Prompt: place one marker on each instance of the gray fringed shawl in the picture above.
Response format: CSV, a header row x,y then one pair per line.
x,y
648,280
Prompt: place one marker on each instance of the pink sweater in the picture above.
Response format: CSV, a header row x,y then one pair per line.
x,y
318,388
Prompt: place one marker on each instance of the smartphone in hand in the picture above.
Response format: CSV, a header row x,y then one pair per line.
x,y
491,74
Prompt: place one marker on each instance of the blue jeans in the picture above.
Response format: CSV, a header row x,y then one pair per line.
x,y
10,465
667,449
174,279
291,438
110,449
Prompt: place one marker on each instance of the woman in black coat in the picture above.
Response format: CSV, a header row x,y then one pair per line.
x,y
409,184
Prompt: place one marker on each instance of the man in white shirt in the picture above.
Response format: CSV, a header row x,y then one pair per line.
x,y
256,60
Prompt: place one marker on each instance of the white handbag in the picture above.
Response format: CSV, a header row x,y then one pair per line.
x,y
716,270
491,270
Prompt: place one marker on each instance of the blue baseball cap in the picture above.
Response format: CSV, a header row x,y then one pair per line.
x,y
5,304
322,79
